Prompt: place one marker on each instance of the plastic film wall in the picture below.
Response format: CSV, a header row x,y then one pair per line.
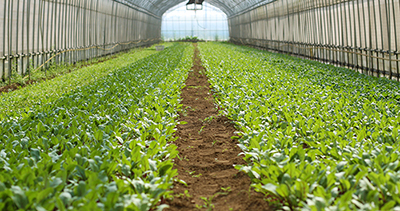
x,y
39,33
359,34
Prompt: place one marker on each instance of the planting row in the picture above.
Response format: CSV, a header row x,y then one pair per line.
x,y
46,91
315,136
101,146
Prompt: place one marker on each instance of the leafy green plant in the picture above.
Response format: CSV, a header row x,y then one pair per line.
x,y
227,189
208,203
209,119
201,129
315,136
44,92
106,145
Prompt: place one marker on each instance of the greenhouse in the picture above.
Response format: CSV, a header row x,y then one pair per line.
x,y
199,105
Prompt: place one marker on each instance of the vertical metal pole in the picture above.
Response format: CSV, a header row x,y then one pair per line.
x,y
60,15
306,25
395,40
360,37
336,32
68,26
3,76
308,30
115,26
92,30
347,33
23,33
376,41
265,38
40,34
84,24
97,21
283,30
276,23
74,25
33,37
53,27
370,60
389,31
76,20
112,17
61,30
65,31
315,30
28,8
365,39
17,58
290,29
105,35
382,40
326,11
46,39
331,42
342,54
355,56
10,37
322,31
88,27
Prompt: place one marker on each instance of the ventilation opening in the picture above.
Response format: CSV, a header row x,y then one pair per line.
x,y
210,23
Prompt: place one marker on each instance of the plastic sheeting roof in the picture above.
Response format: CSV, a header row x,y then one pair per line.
x,y
230,7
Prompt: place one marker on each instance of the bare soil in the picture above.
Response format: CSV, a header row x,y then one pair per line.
x,y
208,154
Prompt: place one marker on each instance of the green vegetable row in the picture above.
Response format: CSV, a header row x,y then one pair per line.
x,y
102,146
315,136
41,93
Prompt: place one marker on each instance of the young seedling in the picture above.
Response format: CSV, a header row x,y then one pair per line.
x,y
227,189
196,176
192,172
208,119
187,194
201,129
184,112
208,202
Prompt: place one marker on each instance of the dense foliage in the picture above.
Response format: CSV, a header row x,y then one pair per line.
x,y
316,136
41,93
102,146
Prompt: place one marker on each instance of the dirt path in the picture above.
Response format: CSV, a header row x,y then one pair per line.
x,y
207,154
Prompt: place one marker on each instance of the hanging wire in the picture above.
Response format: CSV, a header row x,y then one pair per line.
x,y
197,20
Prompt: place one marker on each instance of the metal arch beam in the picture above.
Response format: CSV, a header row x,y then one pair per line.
x,y
229,7
220,5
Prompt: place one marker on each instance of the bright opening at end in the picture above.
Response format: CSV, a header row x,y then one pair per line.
x,y
210,23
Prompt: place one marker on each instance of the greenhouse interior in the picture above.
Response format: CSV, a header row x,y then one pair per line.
x,y
199,105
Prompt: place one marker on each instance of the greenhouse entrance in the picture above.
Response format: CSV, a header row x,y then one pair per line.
x,y
182,23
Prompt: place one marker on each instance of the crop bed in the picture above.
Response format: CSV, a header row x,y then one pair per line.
x,y
101,146
37,94
315,136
